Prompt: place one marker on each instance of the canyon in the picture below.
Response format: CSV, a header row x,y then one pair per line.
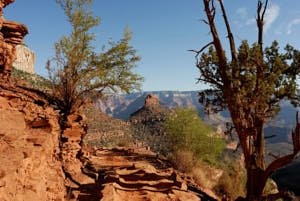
x,y
42,156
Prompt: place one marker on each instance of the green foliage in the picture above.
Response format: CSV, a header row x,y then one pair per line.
x,y
251,85
33,80
186,131
261,80
82,72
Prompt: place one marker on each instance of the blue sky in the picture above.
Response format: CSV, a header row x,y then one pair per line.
x,y
163,31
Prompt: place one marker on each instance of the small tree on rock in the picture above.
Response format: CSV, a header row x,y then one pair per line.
x,y
80,71
251,85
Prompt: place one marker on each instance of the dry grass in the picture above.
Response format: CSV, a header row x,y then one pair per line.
x,y
232,183
183,160
202,173
229,182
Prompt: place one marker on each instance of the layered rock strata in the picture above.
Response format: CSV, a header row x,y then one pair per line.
x,y
11,34
30,166
73,132
70,132
30,169
150,117
129,174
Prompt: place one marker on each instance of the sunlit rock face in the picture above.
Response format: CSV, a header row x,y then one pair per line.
x,y
30,169
11,35
30,166
25,59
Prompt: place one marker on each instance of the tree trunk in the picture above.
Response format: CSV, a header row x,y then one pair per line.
x,y
255,186
255,166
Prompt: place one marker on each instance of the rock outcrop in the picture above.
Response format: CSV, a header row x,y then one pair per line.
x,y
73,131
30,166
127,174
30,169
11,34
151,116
151,101
25,59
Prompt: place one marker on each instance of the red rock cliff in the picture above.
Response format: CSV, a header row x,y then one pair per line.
x,y
11,34
30,169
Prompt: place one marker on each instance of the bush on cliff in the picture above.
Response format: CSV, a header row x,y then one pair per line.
x,y
186,131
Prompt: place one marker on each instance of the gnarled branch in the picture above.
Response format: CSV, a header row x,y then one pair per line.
x,y
282,161
281,194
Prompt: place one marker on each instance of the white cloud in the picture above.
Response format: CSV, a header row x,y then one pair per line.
x,y
271,14
242,12
291,24
250,21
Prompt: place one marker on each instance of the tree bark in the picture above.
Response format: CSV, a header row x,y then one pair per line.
x,y
248,123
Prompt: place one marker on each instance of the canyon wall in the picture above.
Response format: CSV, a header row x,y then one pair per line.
x,y
30,165
30,169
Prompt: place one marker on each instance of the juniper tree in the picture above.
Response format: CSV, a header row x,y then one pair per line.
x,y
250,84
79,71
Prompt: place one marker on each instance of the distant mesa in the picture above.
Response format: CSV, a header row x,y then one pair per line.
x,y
151,100
122,106
151,116
151,111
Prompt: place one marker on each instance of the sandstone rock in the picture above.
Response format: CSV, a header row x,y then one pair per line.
x,y
15,30
30,169
71,150
149,119
33,162
11,34
151,100
6,2
129,174
25,59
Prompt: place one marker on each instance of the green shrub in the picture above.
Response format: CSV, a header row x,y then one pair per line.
x,y
186,131
33,80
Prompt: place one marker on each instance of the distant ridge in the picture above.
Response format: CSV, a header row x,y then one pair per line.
x,y
122,105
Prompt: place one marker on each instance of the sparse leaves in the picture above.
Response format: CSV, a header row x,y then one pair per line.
x,y
251,85
81,72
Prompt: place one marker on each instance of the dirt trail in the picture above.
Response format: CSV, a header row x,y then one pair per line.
x,y
122,174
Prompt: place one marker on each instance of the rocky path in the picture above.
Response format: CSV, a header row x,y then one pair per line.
x,y
125,174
